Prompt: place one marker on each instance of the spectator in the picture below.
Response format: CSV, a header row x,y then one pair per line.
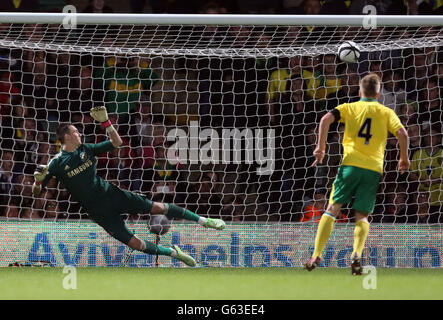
x,y
290,117
414,139
7,91
6,178
349,90
51,209
279,78
416,74
416,7
212,7
423,212
84,95
142,124
334,7
430,105
408,115
357,6
311,7
314,210
98,6
439,70
397,209
376,66
322,81
293,35
256,6
392,95
19,6
391,177
125,80
305,175
10,121
426,169
237,36
21,195
203,196
40,87
163,176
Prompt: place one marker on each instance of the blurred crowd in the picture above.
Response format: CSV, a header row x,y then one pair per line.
x,y
146,98
229,6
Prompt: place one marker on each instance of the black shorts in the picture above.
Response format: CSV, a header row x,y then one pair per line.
x,y
107,211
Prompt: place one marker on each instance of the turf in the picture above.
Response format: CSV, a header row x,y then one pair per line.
x,y
219,283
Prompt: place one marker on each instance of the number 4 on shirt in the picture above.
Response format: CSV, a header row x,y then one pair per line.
x,y
365,130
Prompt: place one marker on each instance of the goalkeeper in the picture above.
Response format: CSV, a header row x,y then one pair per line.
x,y
367,124
75,167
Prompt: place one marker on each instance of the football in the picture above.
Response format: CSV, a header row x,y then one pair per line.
x,y
159,224
349,52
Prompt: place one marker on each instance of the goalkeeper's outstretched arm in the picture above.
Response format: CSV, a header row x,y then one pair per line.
x,y
39,175
101,115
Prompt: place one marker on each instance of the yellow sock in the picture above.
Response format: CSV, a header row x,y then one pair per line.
x,y
324,231
360,233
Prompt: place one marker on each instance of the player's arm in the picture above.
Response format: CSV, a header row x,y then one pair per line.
x,y
101,115
403,141
396,128
39,175
325,123
42,175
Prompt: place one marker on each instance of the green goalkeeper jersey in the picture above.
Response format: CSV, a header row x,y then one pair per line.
x,y
77,172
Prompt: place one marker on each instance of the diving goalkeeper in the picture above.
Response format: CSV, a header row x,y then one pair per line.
x,y
367,124
75,167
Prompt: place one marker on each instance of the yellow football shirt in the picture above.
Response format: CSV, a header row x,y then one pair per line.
x,y
318,86
277,83
425,166
367,124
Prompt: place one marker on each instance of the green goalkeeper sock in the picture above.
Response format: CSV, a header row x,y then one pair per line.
x,y
152,248
173,211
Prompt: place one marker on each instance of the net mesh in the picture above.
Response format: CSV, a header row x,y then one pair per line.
x,y
271,83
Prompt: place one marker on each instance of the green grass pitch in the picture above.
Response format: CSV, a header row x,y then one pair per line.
x,y
219,283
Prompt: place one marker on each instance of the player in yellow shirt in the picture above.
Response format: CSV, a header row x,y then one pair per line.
x,y
367,124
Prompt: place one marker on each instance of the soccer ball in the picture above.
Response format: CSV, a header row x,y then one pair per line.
x,y
349,52
159,224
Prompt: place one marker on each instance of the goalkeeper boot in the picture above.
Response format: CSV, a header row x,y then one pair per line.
x,y
356,265
312,264
183,257
217,224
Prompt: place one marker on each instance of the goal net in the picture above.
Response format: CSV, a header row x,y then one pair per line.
x,y
221,117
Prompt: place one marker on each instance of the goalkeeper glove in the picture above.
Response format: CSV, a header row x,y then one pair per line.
x,y
40,174
101,115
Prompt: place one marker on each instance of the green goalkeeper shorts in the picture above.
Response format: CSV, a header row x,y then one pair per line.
x,y
362,184
107,211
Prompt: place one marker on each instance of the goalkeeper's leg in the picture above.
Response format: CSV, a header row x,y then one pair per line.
x,y
113,223
131,202
172,211
152,248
